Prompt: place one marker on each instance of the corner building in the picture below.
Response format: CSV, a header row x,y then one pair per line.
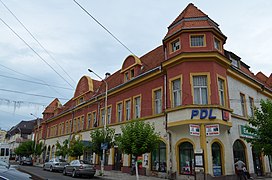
x,y
198,95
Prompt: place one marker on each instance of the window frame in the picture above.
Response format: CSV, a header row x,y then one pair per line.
x,y
94,119
173,48
207,74
109,114
159,149
218,42
126,113
180,156
224,89
172,99
154,100
102,116
251,106
243,105
197,35
137,108
119,112
89,120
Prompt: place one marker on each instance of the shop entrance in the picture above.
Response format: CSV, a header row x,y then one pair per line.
x,y
257,160
117,159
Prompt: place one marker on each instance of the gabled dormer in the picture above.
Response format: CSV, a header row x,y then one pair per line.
x,y
51,109
193,31
131,68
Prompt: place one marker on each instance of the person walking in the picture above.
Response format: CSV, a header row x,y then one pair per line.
x,y
239,165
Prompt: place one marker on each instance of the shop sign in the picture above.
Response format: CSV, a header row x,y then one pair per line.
x,y
194,130
225,115
203,113
244,132
212,130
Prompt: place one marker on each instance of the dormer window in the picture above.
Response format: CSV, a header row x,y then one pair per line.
x,y
126,76
80,100
235,62
217,44
175,45
132,73
197,40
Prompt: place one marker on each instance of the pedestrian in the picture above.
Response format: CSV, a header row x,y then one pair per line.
x,y
247,173
239,165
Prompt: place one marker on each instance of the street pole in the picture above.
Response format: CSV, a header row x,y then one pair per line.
x,y
36,140
105,122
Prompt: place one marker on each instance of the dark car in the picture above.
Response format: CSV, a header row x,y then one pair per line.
x,y
26,161
79,168
55,164
7,173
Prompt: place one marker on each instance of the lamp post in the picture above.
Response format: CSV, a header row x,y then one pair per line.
x,y
105,122
38,132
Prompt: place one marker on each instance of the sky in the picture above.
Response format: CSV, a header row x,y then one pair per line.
x,y
31,76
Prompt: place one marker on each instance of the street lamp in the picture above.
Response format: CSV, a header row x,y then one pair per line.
x,y
38,124
105,122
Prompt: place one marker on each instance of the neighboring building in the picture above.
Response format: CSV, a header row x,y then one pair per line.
x,y
2,135
198,95
22,132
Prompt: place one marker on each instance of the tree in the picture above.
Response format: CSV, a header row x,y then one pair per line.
x,y
100,136
138,138
25,148
38,149
261,127
62,150
76,147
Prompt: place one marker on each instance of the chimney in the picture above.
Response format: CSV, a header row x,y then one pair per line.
x,y
107,75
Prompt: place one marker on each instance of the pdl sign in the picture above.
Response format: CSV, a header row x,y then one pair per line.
x,y
203,113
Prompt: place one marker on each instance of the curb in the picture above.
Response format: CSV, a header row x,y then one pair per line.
x,y
33,176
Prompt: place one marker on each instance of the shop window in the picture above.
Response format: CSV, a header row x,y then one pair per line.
x,y
221,91
239,151
197,40
157,99
159,158
200,89
217,159
176,92
243,104
186,158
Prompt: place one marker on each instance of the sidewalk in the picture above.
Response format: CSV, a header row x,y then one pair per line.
x,y
117,175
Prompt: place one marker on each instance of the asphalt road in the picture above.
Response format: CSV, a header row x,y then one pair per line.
x,y
39,174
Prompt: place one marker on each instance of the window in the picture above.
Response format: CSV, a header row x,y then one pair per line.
x,y
157,101
221,91
119,112
128,109
217,44
217,160
82,122
243,104
200,89
2,151
102,116
197,40
126,76
158,156
175,45
251,106
89,120
239,151
186,158
70,125
95,122
78,124
75,125
176,93
109,115
7,151
132,73
80,100
137,107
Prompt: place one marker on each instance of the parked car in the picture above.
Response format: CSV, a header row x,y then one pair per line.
x,y
55,164
8,173
26,161
79,168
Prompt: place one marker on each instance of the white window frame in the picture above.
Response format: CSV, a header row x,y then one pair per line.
x,y
176,93
201,88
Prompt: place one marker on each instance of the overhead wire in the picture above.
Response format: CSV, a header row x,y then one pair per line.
x,y
36,53
37,41
34,82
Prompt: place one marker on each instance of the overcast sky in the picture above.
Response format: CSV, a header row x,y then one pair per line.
x,y
30,78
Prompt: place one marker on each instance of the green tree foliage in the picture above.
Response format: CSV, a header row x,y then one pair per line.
x,y
99,136
25,148
38,149
62,150
76,147
138,138
261,127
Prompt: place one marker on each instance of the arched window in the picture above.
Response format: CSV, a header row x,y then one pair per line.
x,y
47,154
159,158
186,158
239,151
217,160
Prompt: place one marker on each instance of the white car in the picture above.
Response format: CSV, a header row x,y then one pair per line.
x,y
55,164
